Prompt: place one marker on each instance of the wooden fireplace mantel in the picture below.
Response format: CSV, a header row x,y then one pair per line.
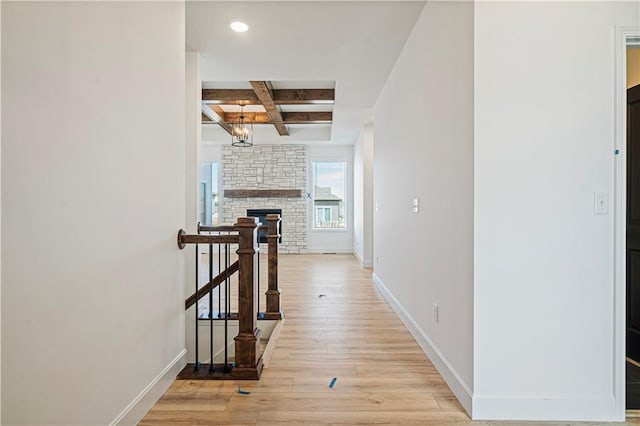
x,y
263,193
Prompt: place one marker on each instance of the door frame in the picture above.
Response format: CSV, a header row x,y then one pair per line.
x,y
625,36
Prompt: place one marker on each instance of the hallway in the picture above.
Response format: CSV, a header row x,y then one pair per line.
x,y
383,377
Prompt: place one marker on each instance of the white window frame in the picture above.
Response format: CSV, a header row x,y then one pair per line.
x,y
348,200
218,179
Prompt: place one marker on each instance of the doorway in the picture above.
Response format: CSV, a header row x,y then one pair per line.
x,y
632,240
633,249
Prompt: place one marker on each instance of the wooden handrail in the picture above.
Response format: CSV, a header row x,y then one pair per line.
x,y
217,228
184,239
205,289
225,228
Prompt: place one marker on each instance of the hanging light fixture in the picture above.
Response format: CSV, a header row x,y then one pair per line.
x,y
242,130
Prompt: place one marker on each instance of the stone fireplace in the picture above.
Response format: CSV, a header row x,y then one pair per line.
x,y
268,177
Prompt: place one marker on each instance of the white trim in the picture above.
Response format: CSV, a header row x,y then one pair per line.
x,y
544,407
271,344
141,404
448,373
330,230
315,236
622,35
364,263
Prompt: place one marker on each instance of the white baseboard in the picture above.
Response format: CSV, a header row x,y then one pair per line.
x,y
448,373
337,250
271,344
365,263
597,408
135,411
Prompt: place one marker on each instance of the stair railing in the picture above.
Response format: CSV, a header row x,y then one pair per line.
x,y
248,362
273,309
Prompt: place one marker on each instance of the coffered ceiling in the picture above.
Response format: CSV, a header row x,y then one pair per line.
x,y
294,49
263,103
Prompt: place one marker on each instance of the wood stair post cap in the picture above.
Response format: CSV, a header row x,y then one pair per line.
x,y
246,222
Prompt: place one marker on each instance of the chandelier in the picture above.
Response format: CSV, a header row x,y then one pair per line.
x,y
242,130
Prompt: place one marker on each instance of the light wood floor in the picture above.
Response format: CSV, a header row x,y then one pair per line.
x,y
352,334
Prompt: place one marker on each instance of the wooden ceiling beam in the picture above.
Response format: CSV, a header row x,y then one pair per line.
x,y
256,117
323,117
303,96
264,92
215,115
230,97
280,96
299,117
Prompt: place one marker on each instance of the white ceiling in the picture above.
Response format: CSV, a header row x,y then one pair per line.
x,y
303,44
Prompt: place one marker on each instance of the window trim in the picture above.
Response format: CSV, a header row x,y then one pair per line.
x,y
218,179
348,161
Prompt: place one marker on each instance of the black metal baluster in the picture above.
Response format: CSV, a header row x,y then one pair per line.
x,y
211,308
219,291
196,365
226,307
258,301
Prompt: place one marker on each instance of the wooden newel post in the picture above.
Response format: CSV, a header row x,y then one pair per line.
x,y
273,292
247,357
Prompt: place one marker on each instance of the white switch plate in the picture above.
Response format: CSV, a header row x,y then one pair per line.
x,y
601,203
436,313
416,205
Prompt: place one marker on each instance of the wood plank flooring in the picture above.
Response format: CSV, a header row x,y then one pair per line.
x,y
352,334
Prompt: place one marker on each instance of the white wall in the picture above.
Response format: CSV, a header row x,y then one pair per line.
x,y
332,240
193,119
544,262
193,147
210,152
423,127
363,197
93,194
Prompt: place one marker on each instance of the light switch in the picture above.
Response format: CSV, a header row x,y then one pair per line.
x,y
416,205
601,203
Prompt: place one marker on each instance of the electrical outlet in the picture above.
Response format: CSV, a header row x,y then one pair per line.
x,y
436,313
416,205
377,260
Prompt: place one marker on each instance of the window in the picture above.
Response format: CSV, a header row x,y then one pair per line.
x,y
209,197
329,191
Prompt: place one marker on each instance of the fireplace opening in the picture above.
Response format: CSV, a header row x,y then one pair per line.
x,y
261,214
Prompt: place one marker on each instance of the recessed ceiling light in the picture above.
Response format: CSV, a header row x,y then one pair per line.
x,y
239,26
